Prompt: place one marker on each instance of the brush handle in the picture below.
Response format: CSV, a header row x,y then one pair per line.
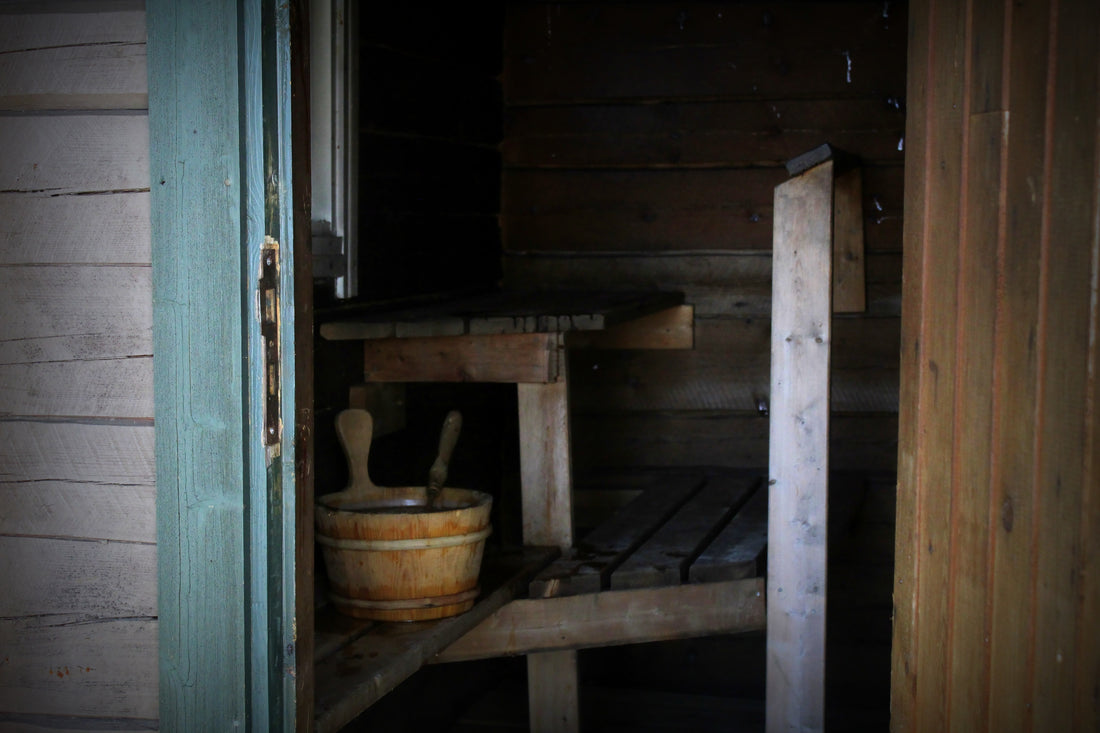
x,y
437,475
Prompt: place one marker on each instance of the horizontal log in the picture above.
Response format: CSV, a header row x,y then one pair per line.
x,y
647,51
75,154
109,228
614,617
732,284
729,369
727,439
668,210
699,133
74,313
100,669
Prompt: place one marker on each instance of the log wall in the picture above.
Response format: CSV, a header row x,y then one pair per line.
x,y
642,144
78,629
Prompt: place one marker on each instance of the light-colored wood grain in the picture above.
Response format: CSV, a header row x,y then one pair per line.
x,y
106,668
65,724
798,457
545,465
668,329
49,62
75,154
504,358
98,25
849,266
108,228
67,581
58,314
614,617
110,388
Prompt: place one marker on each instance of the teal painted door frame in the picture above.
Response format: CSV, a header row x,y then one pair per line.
x,y
219,119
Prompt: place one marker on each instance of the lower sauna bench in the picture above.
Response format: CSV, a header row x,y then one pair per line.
x,y
683,558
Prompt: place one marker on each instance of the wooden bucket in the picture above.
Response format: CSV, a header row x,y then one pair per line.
x,y
388,557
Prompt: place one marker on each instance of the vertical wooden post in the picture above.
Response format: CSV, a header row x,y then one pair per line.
x,y
799,444
220,132
547,488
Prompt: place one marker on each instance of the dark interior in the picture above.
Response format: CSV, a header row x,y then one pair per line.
x,y
632,146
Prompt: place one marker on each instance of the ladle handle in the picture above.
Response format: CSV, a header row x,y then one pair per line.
x,y
354,428
437,476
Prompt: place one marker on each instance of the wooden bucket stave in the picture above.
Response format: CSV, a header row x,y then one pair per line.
x,y
390,562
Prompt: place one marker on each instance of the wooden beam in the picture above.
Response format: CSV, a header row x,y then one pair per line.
x,y
614,617
547,489
673,328
357,675
798,461
509,358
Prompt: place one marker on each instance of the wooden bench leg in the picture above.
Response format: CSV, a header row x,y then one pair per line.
x,y
552,692
547,489
799,447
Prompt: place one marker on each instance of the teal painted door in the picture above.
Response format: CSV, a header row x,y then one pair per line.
x,y
223,291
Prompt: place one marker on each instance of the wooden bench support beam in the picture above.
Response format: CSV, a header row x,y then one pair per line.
x,y
547,489
614,617
799,445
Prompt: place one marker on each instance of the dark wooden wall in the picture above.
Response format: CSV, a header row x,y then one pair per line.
x,y
642,143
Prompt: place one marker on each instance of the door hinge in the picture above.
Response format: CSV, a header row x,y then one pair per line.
x,y
269,332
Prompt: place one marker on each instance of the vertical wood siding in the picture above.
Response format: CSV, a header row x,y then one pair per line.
x,y
78,629
642,145
995,598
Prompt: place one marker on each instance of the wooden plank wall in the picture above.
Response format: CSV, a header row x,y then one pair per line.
x,y
996,596
78,630
642,145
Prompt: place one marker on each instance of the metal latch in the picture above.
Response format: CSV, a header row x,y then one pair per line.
x,y
269,332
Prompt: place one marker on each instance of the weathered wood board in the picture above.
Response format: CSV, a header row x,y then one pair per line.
x,y
737,551
88,669
94,229
666,557
614,617
798,462
588,568
75,154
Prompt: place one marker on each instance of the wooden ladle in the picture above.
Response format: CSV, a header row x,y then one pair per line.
x,y
437,475
354,428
